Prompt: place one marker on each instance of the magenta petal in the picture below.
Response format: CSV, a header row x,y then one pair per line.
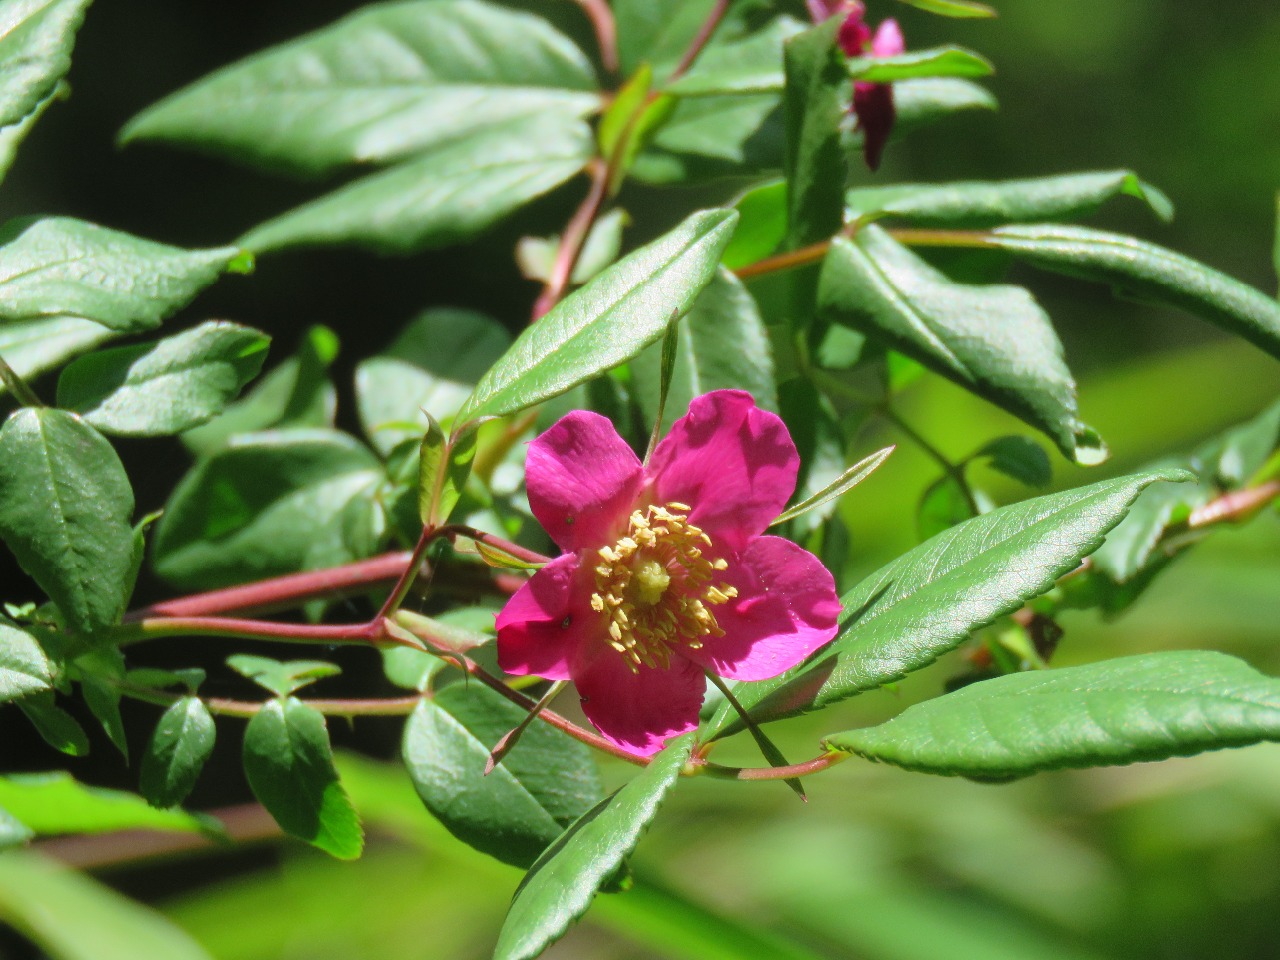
x,y
732,462
888,41
854,35
582,481
785,609
548,620
638,711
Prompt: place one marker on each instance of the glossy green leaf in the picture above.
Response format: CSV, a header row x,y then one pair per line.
x,y
817,105
13,832
409,668
65,510
1226,462
946,61
432,365
751,65
608,321
993,340
931,599
100,673
1020,458
386,82
165,387
58,266
954,8
282,679
447,196
176,753
296,393
24,668
57,727
621,113
74,917
35,52
721,344
55,803
290,769
1144,271
838,487
32,347
1132,709
989,203
269,504
559,887
525,803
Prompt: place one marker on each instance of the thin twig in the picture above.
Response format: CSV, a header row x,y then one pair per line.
x,y
701,39
154,627
953,470
17,386
224,707
410,573
573,239
606,28
816,765
1235,505
784,261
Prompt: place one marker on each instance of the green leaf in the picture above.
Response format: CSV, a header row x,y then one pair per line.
x,y
993,340
269,504
386,82
100,673
65,507
447,196
519,809
154,678
431,366
56,265
55,803
989,203
762,224
290,769
657,31
817,103
1144,271
58,728
953,8
1133,709
443,469
838,487
24,668
1020,458
35,52
752,65
721,344
71,916
711,137
182,742
948,61
927,99
1226,462
930,599
32,347
12,135
410,668
942,505
627,104
297,393
282,679
536,255
160,388
13,833
606,322
559,887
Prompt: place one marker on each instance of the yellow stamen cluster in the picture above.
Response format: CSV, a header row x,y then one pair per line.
x,y
654,586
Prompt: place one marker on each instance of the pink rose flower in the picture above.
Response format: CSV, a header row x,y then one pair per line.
x,y
666,573
872,102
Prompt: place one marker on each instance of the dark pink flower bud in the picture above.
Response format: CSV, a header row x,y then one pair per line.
x,y
873,102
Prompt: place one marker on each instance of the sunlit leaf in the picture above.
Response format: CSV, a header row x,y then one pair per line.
x,y
176,753
55,803
36,37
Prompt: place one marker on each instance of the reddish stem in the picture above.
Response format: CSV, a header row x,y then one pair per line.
x,y
816,765
785,261
1235,505
362,633
575,236
701,39
282,592
606,28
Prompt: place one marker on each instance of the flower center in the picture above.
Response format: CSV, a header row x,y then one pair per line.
x,y
654,586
